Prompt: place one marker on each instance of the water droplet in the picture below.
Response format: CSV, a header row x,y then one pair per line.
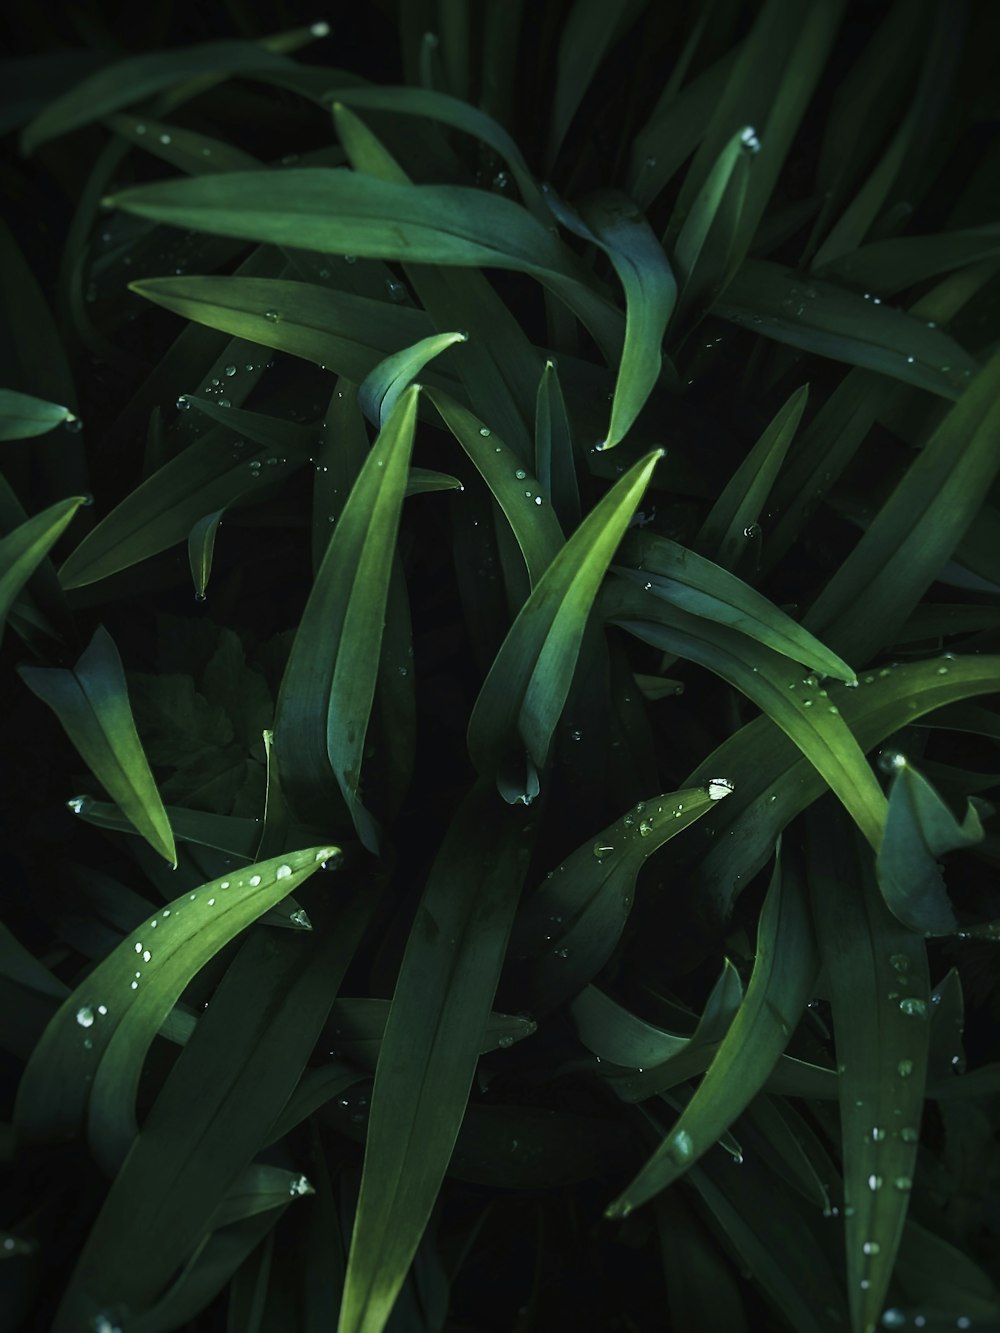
x,y
135,985
319,29
891,761
601,850
681,1146
893,1318
908,1134
253,881
718,788
85,1016
78,804
164,138
751,530
913,1008
871,1247
874,1182
750,141
877,1134
146,955
300,918
282,872
396,290
520,474
645,829
903,1183
538,499
350,259
271,315
300,1185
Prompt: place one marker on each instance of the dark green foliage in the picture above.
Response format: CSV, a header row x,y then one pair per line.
x,y
573,518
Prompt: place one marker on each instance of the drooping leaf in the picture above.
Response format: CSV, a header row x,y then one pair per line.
x,y
382,387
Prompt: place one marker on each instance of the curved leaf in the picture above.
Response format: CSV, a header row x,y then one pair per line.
x,y
381,388
110,1019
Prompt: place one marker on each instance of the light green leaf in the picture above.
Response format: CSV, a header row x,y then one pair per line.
x,y
919,829
523,695
22,416
91,701
704,253
201,549
66,1069
555,464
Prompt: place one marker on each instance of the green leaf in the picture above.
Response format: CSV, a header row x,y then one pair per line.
x,y
161,512
919,829
674,574
22,416
87,1056
227,833
91,701
201,549
891,266
197,154
569,927
917,529
382,387
524,693
348,334
335,211
704,253
804,712
211,1115
773,783
612,222
817,316
723,535
555,464
768,88
876,974
588,32
327,690
24,549
784,974
443,995
139,77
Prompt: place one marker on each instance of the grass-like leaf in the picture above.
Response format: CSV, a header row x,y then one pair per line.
x,y
24,549
783,977
523,695
327,690
110,1019
443,995
876,972
91,701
